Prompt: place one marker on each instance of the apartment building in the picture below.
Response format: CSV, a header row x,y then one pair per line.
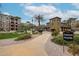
x,y
55,24
71,23
65,26
9,23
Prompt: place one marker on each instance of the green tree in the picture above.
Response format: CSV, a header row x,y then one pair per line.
x,y
23,27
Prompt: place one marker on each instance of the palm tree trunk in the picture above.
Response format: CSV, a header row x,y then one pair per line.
x,y
39,23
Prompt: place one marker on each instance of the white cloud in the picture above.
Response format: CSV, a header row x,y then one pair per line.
x,y
25,4
76,5
50,11
6,13
72,13
40,9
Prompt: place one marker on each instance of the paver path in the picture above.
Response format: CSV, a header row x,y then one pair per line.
x,y
39,46
56,50
31,47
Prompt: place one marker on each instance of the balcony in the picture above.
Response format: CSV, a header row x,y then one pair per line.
x,y
12,28
12,25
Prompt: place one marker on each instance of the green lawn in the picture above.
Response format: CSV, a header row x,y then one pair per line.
x,y
9,35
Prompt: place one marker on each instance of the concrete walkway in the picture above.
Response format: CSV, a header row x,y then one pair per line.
x,y
39,46
53,49
32,47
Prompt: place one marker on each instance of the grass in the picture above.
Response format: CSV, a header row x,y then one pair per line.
x,y
9,35
17,35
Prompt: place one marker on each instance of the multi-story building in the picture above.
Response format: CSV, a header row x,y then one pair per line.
x,y
71,23
55,24
9,23
65,26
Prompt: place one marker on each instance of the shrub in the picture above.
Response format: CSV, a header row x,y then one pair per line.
x,y
23,37
35,32
59,40
55,33
76,38
76,49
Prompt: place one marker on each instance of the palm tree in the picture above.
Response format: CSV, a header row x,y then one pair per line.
x,y
39,19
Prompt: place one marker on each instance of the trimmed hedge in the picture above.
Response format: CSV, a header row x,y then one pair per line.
x,y
23,37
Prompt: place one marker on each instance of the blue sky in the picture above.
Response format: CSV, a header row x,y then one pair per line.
x,y
26,11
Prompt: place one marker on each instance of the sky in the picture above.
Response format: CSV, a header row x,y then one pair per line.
x,y
49,10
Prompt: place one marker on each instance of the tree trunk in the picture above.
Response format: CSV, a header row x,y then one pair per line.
x,y
39,23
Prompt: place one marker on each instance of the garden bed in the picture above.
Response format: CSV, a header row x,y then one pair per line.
x,y
59,40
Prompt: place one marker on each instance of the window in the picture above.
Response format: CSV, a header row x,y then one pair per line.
x,y
12,22
16,28
16,25
12,28
12,25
